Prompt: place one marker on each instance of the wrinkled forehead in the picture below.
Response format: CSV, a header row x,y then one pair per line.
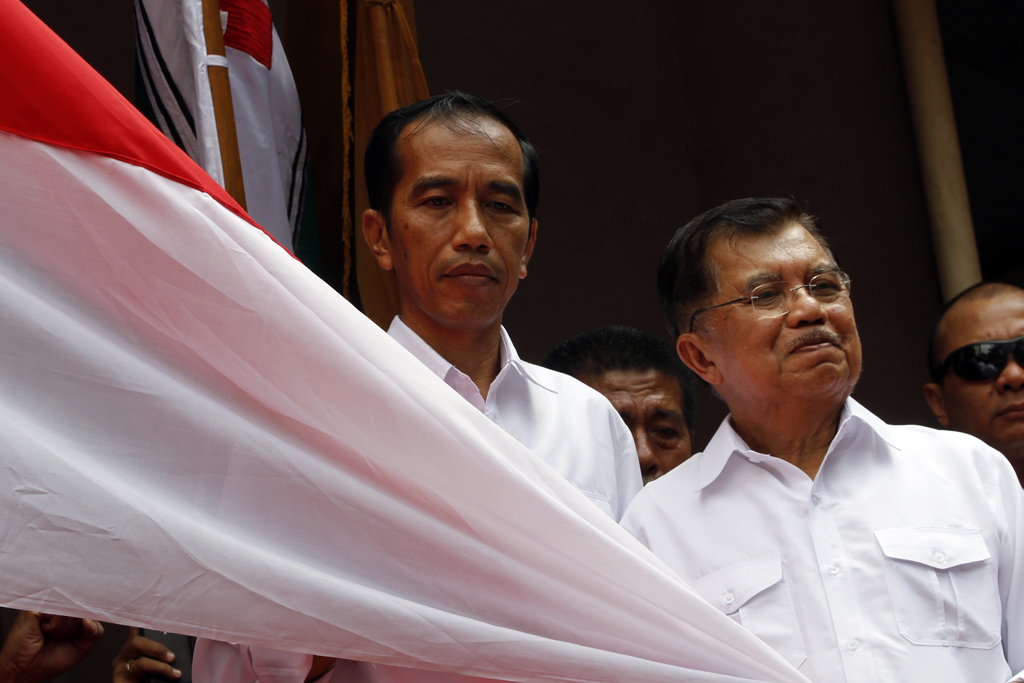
x,y
647,386
790,253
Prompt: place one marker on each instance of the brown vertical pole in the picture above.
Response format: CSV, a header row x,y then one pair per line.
x,y
388,76
938,146
415,76
223,108
387,89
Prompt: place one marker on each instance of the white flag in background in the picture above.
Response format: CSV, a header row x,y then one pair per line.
x,y
271,140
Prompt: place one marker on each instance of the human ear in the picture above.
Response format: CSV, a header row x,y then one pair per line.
x,y
692,350
375,232
937,402
528,252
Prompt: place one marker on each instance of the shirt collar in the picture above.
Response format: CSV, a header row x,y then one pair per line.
x,y
855,417
509,356
726,442
412,342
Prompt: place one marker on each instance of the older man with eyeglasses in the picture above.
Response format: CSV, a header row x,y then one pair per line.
x,y
858,550
976,359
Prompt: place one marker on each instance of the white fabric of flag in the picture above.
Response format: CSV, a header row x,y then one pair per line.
x,y
198,435
173,60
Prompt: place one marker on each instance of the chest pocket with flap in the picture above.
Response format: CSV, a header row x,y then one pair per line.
x,y
942,586
755,595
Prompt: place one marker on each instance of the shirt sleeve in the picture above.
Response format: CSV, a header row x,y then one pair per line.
x,y
627,466
1009,513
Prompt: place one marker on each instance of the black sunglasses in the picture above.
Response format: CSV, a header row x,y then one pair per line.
x,y
982,360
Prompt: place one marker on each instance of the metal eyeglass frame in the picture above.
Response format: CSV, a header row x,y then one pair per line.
x,y
844,280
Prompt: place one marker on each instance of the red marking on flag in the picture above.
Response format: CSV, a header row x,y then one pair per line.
x,y
250,29
55,97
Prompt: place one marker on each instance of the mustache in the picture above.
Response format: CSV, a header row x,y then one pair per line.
x,y
816,337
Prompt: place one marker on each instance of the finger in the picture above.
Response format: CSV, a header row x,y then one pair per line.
x,y
124,671
150,667
60,627
92,629
27,629
140,646
127,652
30,620
91,632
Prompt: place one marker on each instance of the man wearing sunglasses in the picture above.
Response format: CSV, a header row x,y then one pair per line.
x,y
976,358
859,551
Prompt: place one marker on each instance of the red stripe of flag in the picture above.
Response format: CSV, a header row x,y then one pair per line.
x,y
250,29
51,95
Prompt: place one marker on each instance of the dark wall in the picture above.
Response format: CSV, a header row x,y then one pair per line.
x,y
102,32
982,42
649,114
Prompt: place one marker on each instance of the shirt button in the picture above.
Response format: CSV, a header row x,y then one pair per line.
x,y
833,570
815,501
728,598
939,556
852,644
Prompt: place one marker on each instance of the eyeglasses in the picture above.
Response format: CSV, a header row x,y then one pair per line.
x,y
773,299
982,360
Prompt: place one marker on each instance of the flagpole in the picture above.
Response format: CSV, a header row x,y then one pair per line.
x,y
223,108
942,171
387,89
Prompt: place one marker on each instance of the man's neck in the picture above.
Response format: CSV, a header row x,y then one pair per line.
x,y
474,352
799,436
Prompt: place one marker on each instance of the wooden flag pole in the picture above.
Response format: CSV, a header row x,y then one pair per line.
x,y
387,89
223,108
388,76
419,80
938,147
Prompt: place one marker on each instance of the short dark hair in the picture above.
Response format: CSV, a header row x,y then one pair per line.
x,y
981,290
685,278
458,111
624,348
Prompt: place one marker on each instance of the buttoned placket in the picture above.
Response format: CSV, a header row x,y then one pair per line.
x,y
492,406
837,579
466,388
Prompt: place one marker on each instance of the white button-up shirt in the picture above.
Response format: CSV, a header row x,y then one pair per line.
x,y
571,427
901,560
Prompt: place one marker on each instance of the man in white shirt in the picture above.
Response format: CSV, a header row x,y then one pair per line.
x,y
453,187
976,358
858,550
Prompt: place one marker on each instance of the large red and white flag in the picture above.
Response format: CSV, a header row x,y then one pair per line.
x,y
198,435
173,60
